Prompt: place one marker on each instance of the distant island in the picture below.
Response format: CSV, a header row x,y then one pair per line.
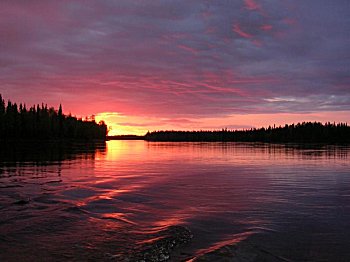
x,y
41,122
126,137
306,132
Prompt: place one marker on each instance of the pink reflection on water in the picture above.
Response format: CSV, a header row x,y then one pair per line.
x,y
234,239
126,195
201,182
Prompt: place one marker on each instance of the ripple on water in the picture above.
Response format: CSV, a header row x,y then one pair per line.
x,y
268,201
79,193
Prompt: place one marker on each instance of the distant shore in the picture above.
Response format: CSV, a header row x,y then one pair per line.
x,y
306,132
126,137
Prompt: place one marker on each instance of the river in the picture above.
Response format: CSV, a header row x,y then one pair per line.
x,y
106,201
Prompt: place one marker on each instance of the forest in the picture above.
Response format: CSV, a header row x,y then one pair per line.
x,y
41,122
306,132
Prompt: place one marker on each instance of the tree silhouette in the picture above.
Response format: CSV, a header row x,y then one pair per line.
x,y
315,132
41,122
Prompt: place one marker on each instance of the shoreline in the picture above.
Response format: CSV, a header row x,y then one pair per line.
x,y
231,141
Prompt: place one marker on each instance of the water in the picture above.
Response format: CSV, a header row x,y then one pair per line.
x,y
81,202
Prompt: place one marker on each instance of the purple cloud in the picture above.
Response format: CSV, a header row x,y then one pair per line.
x,y
177,59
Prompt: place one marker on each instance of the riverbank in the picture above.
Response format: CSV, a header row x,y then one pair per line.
x,y
310,132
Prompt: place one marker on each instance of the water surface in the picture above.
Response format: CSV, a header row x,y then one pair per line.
x,y
104,201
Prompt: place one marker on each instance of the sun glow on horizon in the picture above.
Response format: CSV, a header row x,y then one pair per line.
x,y
139,125
118,125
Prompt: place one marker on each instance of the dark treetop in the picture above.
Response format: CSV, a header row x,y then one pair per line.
x,y
41,122
304,132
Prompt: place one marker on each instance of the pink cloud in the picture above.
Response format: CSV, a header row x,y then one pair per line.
x,y
237,29
137,59
266,27
188,49
251,5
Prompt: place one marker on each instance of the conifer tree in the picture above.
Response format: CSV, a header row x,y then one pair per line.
x,y
41,122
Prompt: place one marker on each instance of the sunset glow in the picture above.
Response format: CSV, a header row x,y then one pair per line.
x,y
120,125
185,65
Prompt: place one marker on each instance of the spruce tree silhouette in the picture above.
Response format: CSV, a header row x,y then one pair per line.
x,y
41,122
306,132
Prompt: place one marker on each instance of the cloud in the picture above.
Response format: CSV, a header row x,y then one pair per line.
x,y
251,5
177,59
237,29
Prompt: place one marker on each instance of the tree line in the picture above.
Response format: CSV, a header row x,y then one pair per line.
x,y
309,132
41,122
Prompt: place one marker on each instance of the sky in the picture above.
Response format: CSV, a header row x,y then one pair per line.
x,y
179,65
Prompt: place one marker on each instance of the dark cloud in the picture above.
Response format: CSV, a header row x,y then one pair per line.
x,y
177,58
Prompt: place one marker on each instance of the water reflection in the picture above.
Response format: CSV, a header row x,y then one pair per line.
x,y
24,161
38,152
104,201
